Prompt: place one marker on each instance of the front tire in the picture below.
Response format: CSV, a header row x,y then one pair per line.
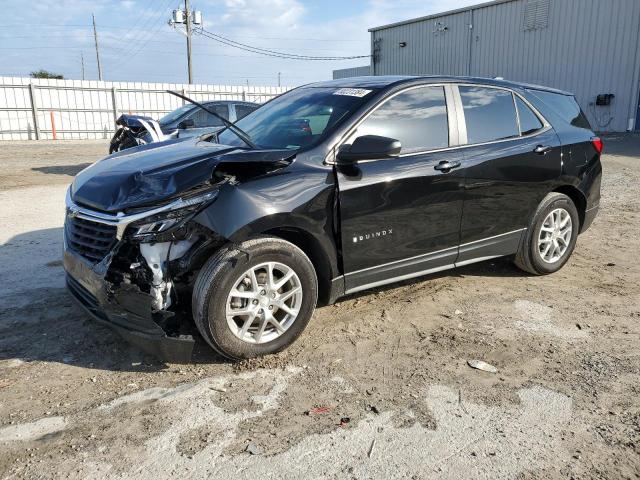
x,y
551,237
254,298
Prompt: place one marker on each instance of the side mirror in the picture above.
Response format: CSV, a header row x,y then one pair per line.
x,y
368,147
186,123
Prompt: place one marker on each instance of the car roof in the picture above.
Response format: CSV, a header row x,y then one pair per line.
x,y
384,81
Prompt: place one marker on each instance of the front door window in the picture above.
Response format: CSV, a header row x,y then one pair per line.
x,y
416,117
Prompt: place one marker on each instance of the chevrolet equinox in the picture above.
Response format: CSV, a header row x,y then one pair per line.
x,y
326,190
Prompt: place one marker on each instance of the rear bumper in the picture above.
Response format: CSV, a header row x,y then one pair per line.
x,y
589,215
126,310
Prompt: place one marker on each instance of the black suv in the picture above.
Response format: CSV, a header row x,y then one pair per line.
x,y
329,189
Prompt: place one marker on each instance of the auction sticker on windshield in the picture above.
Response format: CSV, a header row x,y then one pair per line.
x,y
352,92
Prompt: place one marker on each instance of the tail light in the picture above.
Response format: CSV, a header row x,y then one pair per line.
x,y
597,144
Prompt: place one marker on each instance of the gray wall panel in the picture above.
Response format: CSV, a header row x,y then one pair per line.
x,y
352,72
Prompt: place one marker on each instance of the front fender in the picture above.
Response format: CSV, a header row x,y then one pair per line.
x,y
297,201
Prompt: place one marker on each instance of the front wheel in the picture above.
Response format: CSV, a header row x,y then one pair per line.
x,y
255,298
551,237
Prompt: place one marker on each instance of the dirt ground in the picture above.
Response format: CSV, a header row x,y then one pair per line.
x,y
389,365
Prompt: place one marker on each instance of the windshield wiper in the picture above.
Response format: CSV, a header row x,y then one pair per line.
x,y
244,136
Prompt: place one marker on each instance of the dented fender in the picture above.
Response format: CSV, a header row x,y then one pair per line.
x,y
274,202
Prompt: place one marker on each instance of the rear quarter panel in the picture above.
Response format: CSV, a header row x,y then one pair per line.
x,y
581,167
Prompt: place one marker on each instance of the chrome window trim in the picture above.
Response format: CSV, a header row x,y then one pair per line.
x,y
452,118
515,107
462,124
460,129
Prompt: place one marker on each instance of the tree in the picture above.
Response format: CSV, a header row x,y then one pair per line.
x,y
42,73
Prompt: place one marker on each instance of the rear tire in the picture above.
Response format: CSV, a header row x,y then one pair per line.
x,y
245,278
551,237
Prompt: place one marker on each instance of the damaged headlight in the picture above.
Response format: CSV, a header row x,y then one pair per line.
x,y
177,213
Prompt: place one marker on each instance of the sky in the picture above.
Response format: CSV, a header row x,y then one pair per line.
x,y
137,44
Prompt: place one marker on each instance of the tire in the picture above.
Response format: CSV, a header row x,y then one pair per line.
x,y
225,270
530,256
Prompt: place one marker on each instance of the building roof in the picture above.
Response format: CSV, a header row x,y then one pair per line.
x,y
383,81
438,15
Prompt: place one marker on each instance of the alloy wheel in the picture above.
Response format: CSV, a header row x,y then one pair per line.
x,y
264,302
555,235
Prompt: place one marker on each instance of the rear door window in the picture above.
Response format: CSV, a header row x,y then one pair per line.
x,y
529,121
490,114
416,117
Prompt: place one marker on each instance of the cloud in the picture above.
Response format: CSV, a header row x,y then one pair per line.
x,y
137,45
257,14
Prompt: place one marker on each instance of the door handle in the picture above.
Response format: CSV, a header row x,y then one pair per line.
x,y
445,166
542,149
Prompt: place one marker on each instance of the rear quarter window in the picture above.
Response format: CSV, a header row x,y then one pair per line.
x,y
244,110
565,106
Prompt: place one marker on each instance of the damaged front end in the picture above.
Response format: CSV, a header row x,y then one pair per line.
x,y
134,270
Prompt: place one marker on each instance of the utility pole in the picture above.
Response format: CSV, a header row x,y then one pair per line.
x,y
278,78
95,37
82,63
188,18
187,11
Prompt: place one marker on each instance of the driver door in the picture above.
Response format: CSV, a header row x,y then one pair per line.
x,y
400,217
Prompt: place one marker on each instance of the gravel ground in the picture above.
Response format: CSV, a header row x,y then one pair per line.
x,y
389,365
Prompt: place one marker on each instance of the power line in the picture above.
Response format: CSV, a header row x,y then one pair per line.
x,y
144,33
125,57
334,40
137,22
110,50
272,53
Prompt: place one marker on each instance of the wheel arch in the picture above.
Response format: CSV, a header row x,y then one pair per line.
x,y
313,249
577,197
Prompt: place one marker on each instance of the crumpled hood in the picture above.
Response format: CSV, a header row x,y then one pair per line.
x,y
156,172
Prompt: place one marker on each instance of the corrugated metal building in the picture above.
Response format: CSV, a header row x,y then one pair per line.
x,y
588,47
352,72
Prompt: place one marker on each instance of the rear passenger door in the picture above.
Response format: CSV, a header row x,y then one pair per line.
x,y
512,161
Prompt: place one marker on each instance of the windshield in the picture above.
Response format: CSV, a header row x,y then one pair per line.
x,y
298,118
176,114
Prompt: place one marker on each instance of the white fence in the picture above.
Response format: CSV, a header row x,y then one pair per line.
x,y
33,109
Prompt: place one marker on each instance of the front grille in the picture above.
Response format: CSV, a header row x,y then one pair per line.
x,y
90,239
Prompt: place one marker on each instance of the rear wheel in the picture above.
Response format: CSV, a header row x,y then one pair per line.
x,y
551,237
255,298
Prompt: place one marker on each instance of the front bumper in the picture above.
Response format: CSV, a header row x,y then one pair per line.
x,y
125,309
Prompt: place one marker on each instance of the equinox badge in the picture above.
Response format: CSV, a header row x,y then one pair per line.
x,y
368,236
